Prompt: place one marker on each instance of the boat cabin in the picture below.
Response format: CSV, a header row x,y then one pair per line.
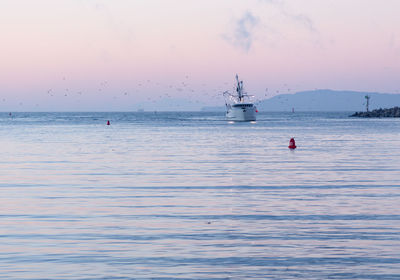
x,y
243,105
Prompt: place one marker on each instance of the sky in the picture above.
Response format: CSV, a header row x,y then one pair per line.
x,y
111,55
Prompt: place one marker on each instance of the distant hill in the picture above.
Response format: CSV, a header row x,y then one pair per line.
x,y
328,100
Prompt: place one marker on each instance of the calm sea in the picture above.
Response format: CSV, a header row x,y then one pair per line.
x,y
192,196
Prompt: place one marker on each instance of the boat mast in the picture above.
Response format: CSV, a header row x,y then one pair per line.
x,y
239,88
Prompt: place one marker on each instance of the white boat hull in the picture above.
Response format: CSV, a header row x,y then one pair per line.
x,y
241,114
237,108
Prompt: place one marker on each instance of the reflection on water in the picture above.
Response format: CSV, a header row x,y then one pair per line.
x,y
188,195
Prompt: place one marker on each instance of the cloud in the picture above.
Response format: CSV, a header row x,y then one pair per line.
x,y
304,20
243,34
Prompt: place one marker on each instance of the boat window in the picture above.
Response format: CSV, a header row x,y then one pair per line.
x,y
242,105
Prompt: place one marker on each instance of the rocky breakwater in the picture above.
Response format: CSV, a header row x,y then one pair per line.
x,y
379,113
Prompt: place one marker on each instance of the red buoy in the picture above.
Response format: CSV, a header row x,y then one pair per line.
x,y
292,144
108,122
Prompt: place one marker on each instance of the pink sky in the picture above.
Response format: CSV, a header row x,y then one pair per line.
x,y
77,54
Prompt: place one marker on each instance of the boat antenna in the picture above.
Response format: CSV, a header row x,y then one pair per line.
x,y
239,88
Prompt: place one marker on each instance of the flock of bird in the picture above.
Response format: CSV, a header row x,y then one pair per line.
x,y
199,94
170,90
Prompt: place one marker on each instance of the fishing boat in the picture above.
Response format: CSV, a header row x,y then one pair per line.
x,y
238,105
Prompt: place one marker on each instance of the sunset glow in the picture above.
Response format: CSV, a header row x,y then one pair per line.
x,y
100,55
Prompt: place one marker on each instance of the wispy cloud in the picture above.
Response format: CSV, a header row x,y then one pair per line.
x,y
304,20
243,34
244,29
